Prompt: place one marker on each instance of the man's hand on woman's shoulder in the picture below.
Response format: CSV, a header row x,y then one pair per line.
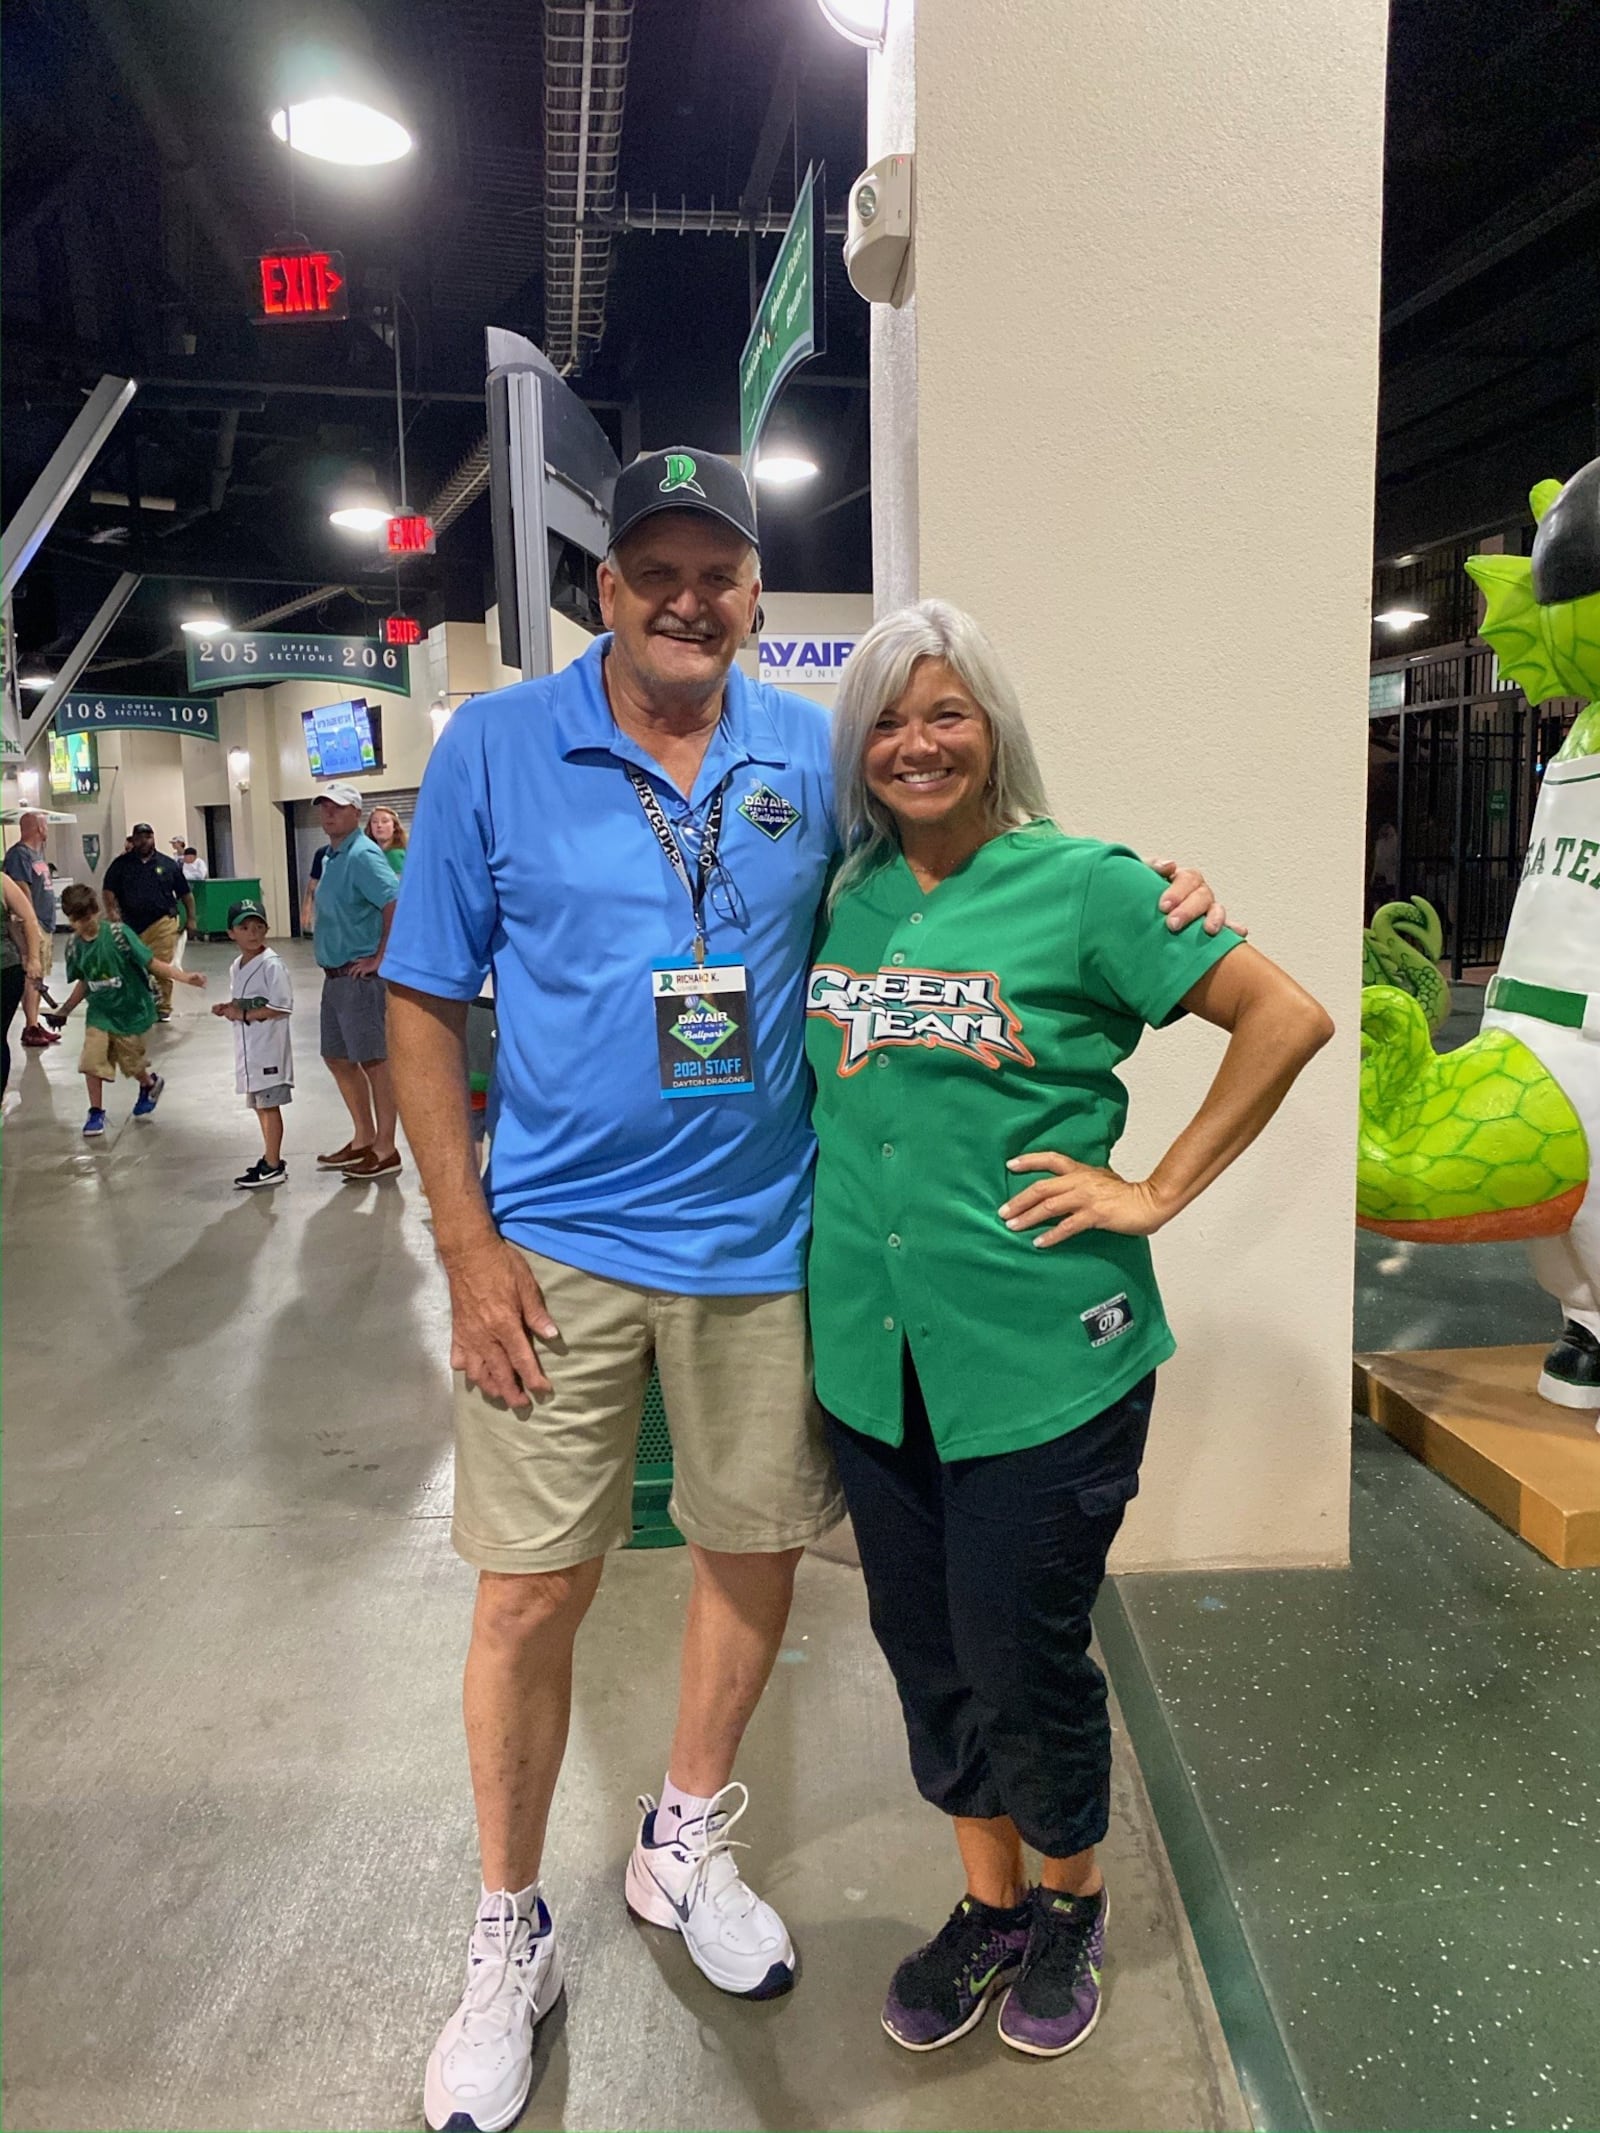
x,y
1189,896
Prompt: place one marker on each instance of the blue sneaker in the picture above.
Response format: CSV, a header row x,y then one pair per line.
x,y
941,1991
149,1097
94,1125
1055,2003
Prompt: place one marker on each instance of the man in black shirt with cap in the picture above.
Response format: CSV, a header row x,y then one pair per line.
x,y
143,889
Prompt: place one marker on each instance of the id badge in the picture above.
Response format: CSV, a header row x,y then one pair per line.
x,y
703,1034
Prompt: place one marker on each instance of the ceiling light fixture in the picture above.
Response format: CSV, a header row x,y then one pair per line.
x,y
34,681
361,518
339,129
859,21
1400,618
785,470
205,619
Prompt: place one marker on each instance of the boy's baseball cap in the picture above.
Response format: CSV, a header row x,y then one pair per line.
x,y
683,480
339,795
246,907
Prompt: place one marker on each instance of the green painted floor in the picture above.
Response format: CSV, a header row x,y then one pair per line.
x,y
1395,1772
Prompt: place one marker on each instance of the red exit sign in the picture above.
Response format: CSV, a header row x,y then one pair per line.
x,y
410,534
401,629
302,285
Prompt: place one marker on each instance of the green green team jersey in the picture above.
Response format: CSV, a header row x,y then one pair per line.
x,y
950,1030
113,967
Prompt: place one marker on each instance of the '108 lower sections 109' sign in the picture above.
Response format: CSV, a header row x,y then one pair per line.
x,y
254,659
166,714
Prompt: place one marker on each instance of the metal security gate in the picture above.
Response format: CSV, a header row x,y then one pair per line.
x,y
1454,776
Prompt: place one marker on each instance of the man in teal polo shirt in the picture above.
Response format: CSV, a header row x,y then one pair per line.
x,y
355,909
637,847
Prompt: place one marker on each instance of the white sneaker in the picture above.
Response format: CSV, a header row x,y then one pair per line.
x,y
690,1882
481,2069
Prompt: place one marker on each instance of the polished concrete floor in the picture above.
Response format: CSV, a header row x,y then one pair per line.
x,y
1397,1766
238,1846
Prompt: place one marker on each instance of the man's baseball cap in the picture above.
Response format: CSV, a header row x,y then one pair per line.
x,y
683,480
338,796
141,829
246,907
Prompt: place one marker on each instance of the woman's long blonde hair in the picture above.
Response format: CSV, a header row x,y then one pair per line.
x,y
398,841
877,676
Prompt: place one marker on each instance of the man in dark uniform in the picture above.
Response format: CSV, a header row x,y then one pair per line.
x,y
143,889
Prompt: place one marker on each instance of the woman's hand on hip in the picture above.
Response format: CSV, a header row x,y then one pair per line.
x,y
1076,1197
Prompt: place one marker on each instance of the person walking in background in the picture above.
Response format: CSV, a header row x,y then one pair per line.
x,y
143,889
388,833
355,909
26,865
984,1314
111,967
308,902
19,963
261,1003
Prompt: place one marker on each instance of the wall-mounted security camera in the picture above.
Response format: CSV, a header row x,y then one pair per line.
x,y
877,247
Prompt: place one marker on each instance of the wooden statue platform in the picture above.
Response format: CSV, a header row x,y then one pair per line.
x,y
1473,1416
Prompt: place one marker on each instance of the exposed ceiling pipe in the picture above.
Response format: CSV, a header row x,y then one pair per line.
x,y
586,72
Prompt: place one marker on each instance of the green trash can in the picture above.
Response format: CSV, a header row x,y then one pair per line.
x,y
652,1476
212,899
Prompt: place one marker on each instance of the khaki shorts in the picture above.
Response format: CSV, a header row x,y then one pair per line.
x,y
552,1487
104,1052
47,953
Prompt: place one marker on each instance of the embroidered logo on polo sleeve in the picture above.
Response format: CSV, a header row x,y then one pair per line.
x,y
768,811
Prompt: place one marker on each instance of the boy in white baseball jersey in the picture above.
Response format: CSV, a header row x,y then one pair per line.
x,y
261,1004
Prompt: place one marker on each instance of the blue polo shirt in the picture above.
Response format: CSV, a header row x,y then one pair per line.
x,y
357,883
530,855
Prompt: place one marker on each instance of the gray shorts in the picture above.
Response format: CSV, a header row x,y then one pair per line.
x,y
271,1099
353,1019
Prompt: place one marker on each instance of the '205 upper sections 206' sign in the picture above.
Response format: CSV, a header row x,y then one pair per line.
x,y
255,659
814,661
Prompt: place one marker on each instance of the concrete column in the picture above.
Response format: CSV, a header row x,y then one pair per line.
x,y
1127,420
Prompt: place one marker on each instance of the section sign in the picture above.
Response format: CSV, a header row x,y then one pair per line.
x,y
255,659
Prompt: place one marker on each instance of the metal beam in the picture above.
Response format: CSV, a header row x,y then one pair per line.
x,y
68,464
37,721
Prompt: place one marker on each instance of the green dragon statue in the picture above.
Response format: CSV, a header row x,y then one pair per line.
x,y
1497,1140
1402,948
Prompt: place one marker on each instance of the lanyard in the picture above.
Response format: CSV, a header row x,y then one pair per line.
x,y
710,838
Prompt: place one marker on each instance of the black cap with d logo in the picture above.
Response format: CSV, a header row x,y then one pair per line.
x,y
683,480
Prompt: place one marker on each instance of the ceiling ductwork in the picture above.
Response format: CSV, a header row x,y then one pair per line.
x,y
585,78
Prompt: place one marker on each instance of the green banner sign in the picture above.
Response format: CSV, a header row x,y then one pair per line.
x,y
165,714
790,326
255,659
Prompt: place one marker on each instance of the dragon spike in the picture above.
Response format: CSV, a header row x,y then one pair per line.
x,y
1542,495
1511,623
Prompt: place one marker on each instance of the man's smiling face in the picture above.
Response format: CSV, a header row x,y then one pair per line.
x,y
680,598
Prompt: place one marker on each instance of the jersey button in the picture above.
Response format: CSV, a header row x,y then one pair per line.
x,y
888,1325
897,958
888,1147
894,1241
915,919
883,1059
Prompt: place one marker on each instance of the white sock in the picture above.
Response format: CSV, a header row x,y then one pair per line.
x,y
527,1901
678,1807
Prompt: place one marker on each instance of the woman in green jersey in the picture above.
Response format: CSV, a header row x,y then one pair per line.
x,y
986,1322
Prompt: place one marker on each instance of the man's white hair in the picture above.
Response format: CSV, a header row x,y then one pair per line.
x,y
878,675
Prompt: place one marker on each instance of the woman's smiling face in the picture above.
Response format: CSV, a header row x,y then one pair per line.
x,y
929,755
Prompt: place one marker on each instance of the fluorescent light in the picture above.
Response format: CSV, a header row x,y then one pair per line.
x,y
782,470
861,21
34,681
339,129
1400,618
1401,561
361,518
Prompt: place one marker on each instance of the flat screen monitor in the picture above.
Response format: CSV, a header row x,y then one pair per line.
x,y
343,740
74,765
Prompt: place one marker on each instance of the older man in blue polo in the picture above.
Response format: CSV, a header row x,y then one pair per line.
x,y
637,847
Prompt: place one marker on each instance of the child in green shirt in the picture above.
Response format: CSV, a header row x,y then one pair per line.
x,y
108,964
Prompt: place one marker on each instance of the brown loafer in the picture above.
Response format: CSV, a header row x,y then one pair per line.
x,y
349,1153
372,1165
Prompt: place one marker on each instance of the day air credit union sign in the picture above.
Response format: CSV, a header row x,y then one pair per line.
x,y
813,661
